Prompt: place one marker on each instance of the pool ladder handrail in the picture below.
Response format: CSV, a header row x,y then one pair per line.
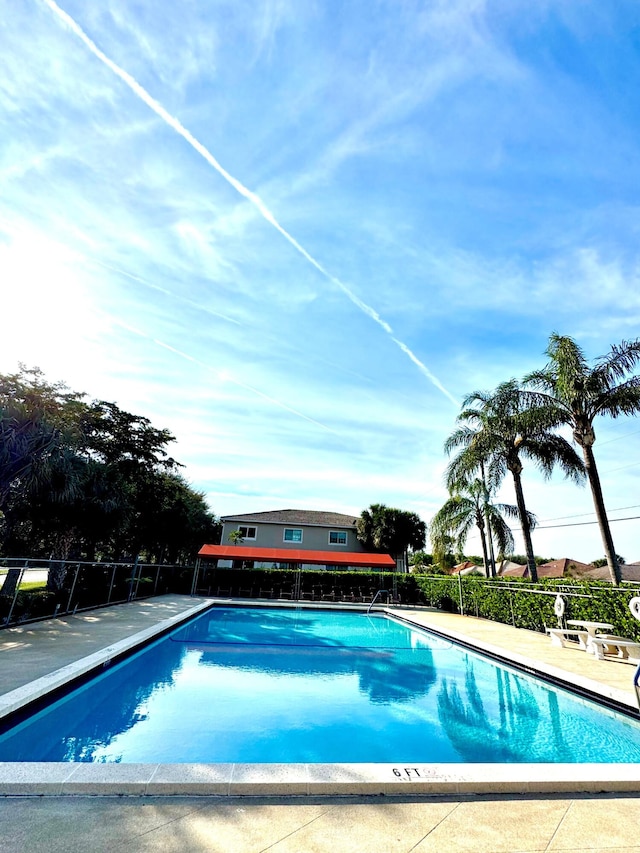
x,y
373,600
636,686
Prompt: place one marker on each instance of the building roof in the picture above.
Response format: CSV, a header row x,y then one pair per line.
x,y
309,517
297,555
565,567
504,566
629,571
465,566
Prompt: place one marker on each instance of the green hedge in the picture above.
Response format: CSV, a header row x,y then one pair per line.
x,y
29,604
251,581
518,602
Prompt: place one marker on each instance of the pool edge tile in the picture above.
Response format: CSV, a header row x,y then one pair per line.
x,y
105,779
348,779
190,779
271,779
33,778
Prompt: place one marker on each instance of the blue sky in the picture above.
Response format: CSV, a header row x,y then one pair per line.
x,y
298,233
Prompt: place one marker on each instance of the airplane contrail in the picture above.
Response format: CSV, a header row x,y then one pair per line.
x,y
255,200
163,290
222,375
226,377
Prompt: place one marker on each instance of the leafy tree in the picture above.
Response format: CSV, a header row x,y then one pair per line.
x,y
602,561
577,393
498,429
394,531
419,559
79,479
521,559
470,506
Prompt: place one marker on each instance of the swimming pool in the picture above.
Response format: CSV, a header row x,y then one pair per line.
x,y
267,685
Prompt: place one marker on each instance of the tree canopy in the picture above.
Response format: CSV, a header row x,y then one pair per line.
x,y
85,479
394,531
498,429
576,393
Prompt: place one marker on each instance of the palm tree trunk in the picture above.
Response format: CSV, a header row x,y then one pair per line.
x,y
524,523
601,514
492,559
492,555
483,541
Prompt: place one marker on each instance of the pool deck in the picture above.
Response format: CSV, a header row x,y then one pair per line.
x,y
224,807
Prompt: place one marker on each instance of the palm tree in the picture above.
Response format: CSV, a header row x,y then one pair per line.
x,y
469,505
578,393
383,528
498,429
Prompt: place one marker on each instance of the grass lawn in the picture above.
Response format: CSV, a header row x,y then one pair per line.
x,y
27,585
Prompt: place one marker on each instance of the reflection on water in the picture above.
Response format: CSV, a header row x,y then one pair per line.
x,y
470,722
74,728
269,685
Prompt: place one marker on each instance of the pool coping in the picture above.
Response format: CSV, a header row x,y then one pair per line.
x,y
299,780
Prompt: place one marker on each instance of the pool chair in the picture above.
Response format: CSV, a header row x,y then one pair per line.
x,y
223,593
329,595
609,644
266,593
245,593
352,596
306,595
286,593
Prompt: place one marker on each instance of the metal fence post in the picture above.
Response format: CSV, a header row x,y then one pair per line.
x,y
73,586
17,589
113,577
460,593
196,570
134,569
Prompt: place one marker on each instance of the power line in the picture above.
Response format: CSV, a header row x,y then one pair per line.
x,y
583,523
573,524
618,438
582,514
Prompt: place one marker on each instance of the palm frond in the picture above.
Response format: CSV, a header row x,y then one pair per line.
x,y
622,400
621,359
550,450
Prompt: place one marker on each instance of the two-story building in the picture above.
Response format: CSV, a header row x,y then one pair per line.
x,y
293,537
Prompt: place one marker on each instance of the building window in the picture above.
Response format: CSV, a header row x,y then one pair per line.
x,y
337,537
292,534
247,532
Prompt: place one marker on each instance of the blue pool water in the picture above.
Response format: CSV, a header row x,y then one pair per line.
x,y
274,685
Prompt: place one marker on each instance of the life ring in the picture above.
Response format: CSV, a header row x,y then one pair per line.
x,y
558,606
634,607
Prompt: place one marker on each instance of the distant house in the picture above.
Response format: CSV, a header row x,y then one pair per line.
x,y
467,567
293,537
564,568
630,572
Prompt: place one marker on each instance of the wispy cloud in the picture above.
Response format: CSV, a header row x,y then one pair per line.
x,y
252,197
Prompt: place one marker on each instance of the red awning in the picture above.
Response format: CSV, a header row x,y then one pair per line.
x,y
298,555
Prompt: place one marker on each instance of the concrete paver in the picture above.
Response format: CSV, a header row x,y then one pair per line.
x,y
352,825
34,650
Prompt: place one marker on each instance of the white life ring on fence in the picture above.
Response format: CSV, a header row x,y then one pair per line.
x,y
558,606
634,607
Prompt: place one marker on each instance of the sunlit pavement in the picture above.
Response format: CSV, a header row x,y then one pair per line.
x,y
447,823
443,825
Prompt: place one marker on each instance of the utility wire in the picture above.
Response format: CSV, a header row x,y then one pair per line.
x,y
583,523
